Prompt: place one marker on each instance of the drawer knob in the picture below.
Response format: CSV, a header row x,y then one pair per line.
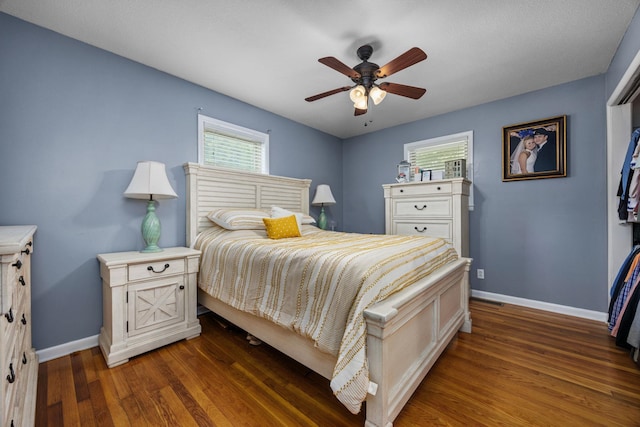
x,y
26,251
17,264
420,231
181,287
23,320
12,375
21,280
150,268
9,315
24,358
438,188
401,190
420,209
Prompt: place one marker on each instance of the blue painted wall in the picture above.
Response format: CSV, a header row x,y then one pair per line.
x,y
543,239
74,120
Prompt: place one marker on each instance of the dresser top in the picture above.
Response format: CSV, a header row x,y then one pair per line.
x,y
14,237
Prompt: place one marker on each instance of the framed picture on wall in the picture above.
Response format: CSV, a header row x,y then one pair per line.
x,y
535,150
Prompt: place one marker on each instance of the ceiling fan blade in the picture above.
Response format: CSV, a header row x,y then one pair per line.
x,y
359,112
407,59
403,90
334,63
328,93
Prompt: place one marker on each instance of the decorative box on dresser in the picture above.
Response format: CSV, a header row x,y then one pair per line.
x,y
430,208
18,359
149,300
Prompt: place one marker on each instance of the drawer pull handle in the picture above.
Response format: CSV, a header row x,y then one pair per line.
x,y
24,358
150,268
9,315
401,190
26,251
420,231
21,280
17,264
181,287
23,320
12,375
420,209
438,188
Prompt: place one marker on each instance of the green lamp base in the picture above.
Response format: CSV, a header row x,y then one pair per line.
x,y
322,219
151,229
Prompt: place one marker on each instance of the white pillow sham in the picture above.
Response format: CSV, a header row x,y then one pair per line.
x,y
238,218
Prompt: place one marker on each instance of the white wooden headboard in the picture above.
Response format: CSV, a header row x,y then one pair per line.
x,y
210,187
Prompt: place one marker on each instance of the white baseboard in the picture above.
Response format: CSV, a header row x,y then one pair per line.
x,y
67,348
546,306
85,343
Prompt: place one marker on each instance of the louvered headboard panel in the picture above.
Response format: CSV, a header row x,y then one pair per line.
x,y
210,187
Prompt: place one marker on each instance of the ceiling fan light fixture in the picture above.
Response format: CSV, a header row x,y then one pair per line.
x,y
357,93
361,103
377,95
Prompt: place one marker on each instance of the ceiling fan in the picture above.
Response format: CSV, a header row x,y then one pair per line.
x,y
365,74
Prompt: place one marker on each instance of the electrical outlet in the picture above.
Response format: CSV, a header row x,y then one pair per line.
x,y
481,273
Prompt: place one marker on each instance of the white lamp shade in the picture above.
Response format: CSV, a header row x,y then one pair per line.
x,y
377,95
323,196
150,181
357,93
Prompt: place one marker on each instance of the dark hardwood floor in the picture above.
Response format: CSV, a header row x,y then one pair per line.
x,y
519,367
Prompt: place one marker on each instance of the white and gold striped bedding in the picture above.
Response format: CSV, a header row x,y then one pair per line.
x,y
318,285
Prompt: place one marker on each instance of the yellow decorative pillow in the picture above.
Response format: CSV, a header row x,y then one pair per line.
x,y
280,228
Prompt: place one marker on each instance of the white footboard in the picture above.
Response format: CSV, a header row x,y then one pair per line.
x,y
407,333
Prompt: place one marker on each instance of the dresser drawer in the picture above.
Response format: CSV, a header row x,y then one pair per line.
x,y
422,208
157,269
423,189
442,229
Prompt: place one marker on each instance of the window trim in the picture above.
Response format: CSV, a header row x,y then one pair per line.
x,y
445,139
209,123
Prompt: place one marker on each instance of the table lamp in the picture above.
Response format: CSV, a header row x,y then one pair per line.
x,y
323,197
149,181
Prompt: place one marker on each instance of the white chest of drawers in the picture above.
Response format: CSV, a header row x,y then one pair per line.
x,y
149,300
18,359
431,208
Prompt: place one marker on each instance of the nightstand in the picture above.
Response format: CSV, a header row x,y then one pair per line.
x,y
149,300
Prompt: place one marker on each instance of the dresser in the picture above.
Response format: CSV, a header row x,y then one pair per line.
x,y
148,300
431,208
18,359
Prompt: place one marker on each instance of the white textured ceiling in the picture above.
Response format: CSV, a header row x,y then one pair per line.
x,y
265,52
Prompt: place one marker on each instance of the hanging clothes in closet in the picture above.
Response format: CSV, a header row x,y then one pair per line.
x,y
624,317
629,187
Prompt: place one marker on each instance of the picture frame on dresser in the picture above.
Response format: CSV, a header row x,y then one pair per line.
x,y
425,175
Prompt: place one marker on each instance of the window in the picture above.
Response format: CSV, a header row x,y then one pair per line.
x,y
433,153
231,146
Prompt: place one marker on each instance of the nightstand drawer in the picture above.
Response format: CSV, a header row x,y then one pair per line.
x,y
422,208
150,270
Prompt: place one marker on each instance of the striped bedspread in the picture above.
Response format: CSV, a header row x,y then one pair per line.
x,y
318,285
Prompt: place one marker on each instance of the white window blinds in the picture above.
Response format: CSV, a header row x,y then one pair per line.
x,y
227,145
433,157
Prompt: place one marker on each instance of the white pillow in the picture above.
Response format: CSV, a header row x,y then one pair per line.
x,y
238,218
277,212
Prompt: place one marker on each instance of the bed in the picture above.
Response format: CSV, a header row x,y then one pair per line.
x,y
405,333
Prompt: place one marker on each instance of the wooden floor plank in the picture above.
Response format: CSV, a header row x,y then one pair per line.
x,y
519,367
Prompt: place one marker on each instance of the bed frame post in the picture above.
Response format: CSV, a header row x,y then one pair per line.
x,y
191,172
